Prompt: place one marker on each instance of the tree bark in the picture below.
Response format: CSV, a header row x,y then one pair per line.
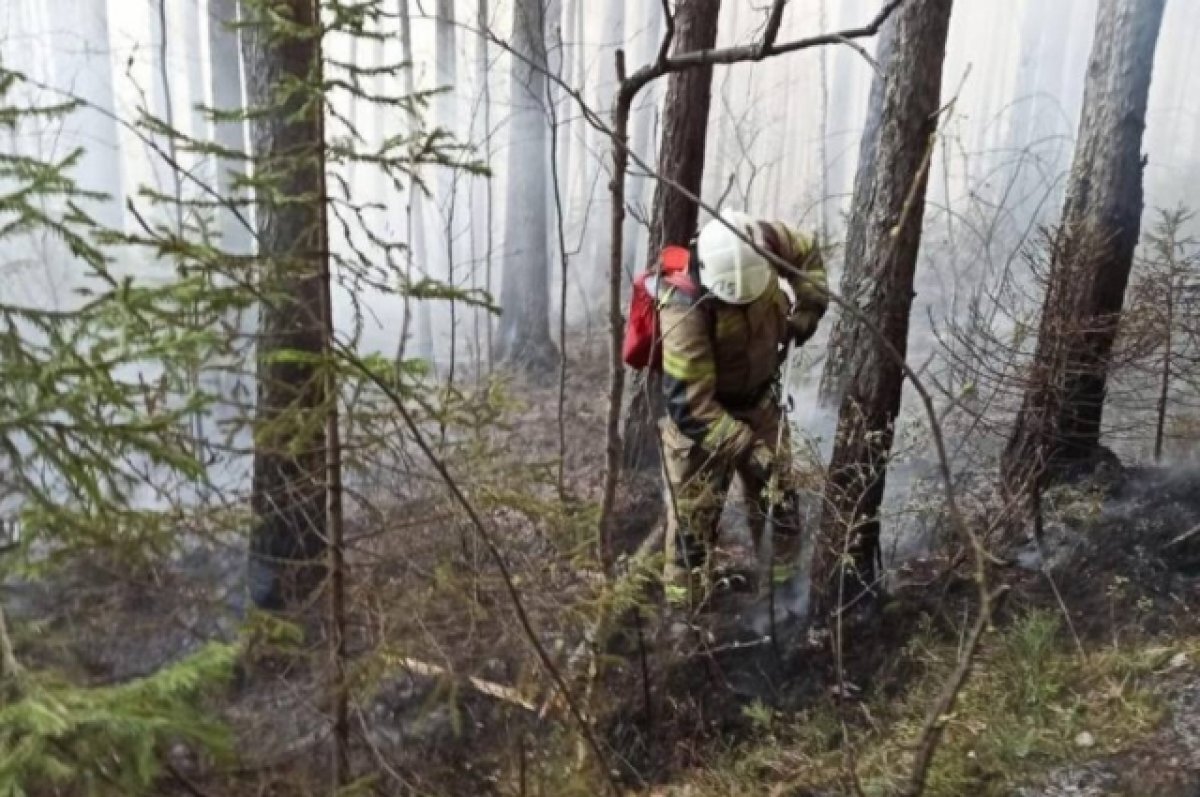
x,y
863,373
675,216
685,127
1058,427
289,497
524,333
859,241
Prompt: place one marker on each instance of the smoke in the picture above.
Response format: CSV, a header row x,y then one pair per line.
x,y
1013,86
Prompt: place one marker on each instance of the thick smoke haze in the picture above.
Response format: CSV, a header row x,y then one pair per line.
x,y
783,142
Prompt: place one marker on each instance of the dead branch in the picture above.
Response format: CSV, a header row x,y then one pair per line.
x,y
1182,538
765,48
506,694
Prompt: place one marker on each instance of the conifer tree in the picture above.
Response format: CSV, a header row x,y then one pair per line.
x,y
282,52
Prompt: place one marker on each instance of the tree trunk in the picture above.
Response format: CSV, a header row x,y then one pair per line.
x,y
685,128
860,243
603,84
681,160
289,491
418,316
1058,426
525,343
881,257
445,114
481,191
649,32
229,135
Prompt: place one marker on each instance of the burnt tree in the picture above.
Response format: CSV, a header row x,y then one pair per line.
x,y
675,216
1057,429
864,373
288,538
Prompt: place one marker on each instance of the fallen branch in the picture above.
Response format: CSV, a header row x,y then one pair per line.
x,y
1187,535
506,694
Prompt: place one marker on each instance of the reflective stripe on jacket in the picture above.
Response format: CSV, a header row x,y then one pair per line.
x,y
721,359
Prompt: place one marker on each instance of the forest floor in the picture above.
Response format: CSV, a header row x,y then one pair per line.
x,y
1085,687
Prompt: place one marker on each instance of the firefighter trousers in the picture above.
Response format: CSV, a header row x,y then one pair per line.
x,y
697,484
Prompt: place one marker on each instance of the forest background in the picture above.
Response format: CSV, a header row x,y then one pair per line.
x,y
338,284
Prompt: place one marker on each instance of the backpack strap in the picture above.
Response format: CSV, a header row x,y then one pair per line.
x,y
680,270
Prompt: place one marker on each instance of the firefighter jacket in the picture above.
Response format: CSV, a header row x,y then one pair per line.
x,y
720,361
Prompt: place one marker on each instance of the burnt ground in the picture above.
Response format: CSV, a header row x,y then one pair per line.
x,y
428,613
1125,564
1132,570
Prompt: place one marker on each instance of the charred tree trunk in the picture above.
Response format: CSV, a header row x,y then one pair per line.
x,y
1058,427
525,343
863,372
680,160
288,539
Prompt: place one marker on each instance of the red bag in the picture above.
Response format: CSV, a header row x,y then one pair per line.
x,y
643,339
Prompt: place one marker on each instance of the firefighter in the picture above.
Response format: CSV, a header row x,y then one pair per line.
x,y
723,345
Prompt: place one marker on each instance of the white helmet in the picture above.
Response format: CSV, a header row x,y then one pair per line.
x,y
729,268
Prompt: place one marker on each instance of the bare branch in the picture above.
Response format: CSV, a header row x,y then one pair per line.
x,y
664,49
774,22
758,51
858,48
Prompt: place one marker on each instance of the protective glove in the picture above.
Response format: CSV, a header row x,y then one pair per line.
x,y
803,325
760,462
